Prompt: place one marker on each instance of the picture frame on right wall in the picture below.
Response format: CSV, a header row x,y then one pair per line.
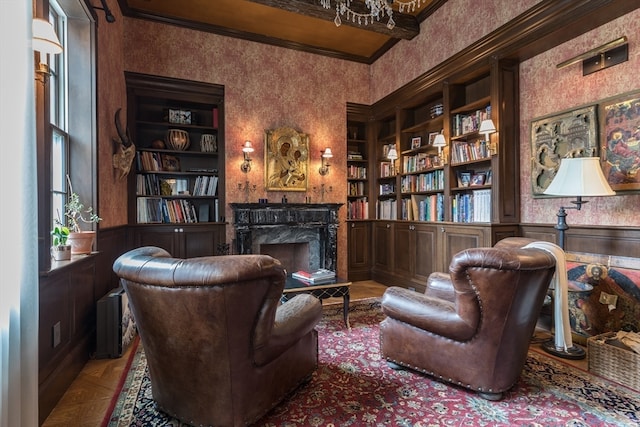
x,y
620,141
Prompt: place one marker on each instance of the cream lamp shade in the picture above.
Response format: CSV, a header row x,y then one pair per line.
x,y
327,153
487,127
45,39
392,154
579,176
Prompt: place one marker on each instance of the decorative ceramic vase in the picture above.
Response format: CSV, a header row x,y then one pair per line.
x,y
82,242
208,143
178,139
61,253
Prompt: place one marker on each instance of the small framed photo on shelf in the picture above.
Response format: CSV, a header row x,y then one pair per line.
x,y
432,137
170,163
464,178
183,117
415,142
478,179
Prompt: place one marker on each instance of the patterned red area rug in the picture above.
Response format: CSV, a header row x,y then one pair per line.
x,y
354,387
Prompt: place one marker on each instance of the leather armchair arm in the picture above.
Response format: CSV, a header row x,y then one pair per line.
x,y
294,319
439,286
425,312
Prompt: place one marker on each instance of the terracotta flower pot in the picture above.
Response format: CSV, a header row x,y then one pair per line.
x,y
61,253
82,242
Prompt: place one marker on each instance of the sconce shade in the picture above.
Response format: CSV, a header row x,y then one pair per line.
x,y
392,154
327,153
247,147
487,126
579,176
439,141
45,39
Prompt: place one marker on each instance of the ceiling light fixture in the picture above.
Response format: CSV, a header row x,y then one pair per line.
x,y
377,9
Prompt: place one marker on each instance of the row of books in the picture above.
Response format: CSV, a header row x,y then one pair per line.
x,y
432,181
423,207
172,211
462,151
356,172
387,209
469,122
205,185
386,169
317,277
356,188
419,162
474,206
354,155
153,185
151,161
358,209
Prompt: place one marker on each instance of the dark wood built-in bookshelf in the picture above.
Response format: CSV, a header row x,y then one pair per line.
x,y
177,190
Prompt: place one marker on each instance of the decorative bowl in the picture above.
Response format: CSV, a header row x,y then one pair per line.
x,y
178,139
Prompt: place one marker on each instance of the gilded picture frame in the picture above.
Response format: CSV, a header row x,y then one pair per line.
x,y
286,160
620,141
567,134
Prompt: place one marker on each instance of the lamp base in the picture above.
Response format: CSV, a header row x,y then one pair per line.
x,y
574,352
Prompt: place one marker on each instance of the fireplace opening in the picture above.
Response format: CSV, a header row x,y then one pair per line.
x,y
293,256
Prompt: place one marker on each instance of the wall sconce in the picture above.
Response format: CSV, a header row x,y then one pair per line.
x,y
440,141
246,149
326,154
45,41
609,54
487,127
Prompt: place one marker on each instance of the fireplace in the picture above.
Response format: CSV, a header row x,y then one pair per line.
x,y
301,235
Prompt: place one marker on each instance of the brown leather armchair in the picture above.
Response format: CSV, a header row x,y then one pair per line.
x,y
220,348
471,327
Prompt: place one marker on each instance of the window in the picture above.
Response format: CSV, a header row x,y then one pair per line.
x,y
58,118
67,114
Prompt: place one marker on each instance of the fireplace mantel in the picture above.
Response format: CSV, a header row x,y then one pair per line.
x,y
272,220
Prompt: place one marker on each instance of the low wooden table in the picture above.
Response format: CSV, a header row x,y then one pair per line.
x,y
338,288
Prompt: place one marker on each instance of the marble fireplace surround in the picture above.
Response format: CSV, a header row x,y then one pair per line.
x,y
315,224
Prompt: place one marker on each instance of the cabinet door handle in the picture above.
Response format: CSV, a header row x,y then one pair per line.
x,y
442,229
388,225
352,225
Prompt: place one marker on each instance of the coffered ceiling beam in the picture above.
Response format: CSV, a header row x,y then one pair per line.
x,y
407,26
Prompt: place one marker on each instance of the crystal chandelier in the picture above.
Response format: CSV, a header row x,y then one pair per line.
x,y
377,9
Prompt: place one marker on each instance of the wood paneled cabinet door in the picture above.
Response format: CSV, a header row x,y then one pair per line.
x,y
454,239
415,253
359,250
383,238
181,241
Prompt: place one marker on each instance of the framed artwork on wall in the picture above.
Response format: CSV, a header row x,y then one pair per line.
x,y
620,141
565,134
286,159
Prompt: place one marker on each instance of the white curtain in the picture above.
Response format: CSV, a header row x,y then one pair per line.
x,y
18,220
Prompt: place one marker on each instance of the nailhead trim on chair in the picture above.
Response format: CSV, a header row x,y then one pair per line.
x,y
424,371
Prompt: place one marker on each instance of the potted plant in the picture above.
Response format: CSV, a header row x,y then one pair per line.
x,y
76,213
60,249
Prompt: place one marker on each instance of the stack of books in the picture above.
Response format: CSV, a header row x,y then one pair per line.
x,y
316,277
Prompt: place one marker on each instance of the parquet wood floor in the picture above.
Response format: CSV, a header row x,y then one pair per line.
x,y
86,401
